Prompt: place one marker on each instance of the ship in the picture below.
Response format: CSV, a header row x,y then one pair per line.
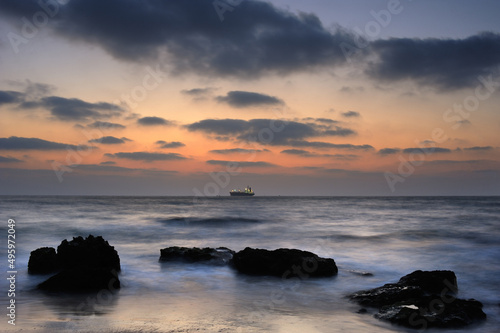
x,y
247,192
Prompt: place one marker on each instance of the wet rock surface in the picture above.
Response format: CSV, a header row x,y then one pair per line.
x,y
82,280
284,263
218,256
422,300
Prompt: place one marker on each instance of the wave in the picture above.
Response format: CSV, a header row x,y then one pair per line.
x,y
208,221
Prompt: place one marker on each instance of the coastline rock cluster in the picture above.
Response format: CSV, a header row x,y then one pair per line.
x,y
82,264
422,299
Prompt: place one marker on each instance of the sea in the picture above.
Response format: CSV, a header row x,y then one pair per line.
x,y
373,240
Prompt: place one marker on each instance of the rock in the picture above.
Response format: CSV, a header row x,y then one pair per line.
x,y
43,260
220,255
432,311
421,300
431,281
86,264
91,252
82,280
284,263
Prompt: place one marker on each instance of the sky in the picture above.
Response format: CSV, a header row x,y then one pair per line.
x,y
291,97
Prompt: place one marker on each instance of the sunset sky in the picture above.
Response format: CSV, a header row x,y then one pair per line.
x,y
292,97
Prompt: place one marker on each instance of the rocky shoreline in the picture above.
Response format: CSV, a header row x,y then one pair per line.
x,y
420,300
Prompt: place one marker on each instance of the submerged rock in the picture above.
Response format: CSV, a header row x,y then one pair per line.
x,y
421,300
220,255
43,260
284,263
85,263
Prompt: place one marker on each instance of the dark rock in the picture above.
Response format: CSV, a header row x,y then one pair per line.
x,y
91,252
43,260
431,281
87,264
420,300
386,295
82,280
220,255
433,311
284,263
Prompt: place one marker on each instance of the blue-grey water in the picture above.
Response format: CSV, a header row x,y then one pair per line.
x,y
386,236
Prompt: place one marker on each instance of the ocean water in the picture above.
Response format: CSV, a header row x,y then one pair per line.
x,y
386,236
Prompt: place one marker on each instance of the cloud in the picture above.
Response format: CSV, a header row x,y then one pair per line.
x,y
152,121
319,144
148,157
426,150
104,125
257,164
33,90
243,99
252,41
199,94
19,143
74,109
306,153
7,159
389,151
452,162
107,163
267,131
109,140
447,64
486,148
237,151
8,97
351,114
173,144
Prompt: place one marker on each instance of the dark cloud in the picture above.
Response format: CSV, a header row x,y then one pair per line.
x,y
19,143
108,163
306,153
74,109
109,140
8,97
267,131
319,144
486,148
33,90
173,144
447,64
351,114
389,151
7,159
237,151
256,39
243,99
104,125
152,121
148,157
256,164
454,162
199,93
299,152
426,150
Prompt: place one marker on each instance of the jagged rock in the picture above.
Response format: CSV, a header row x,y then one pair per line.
x,y
421,300
81,280
91,252
86,264
220,255
43,260
284,263
433,311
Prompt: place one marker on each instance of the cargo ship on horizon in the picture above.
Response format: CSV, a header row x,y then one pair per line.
x,y
247,192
